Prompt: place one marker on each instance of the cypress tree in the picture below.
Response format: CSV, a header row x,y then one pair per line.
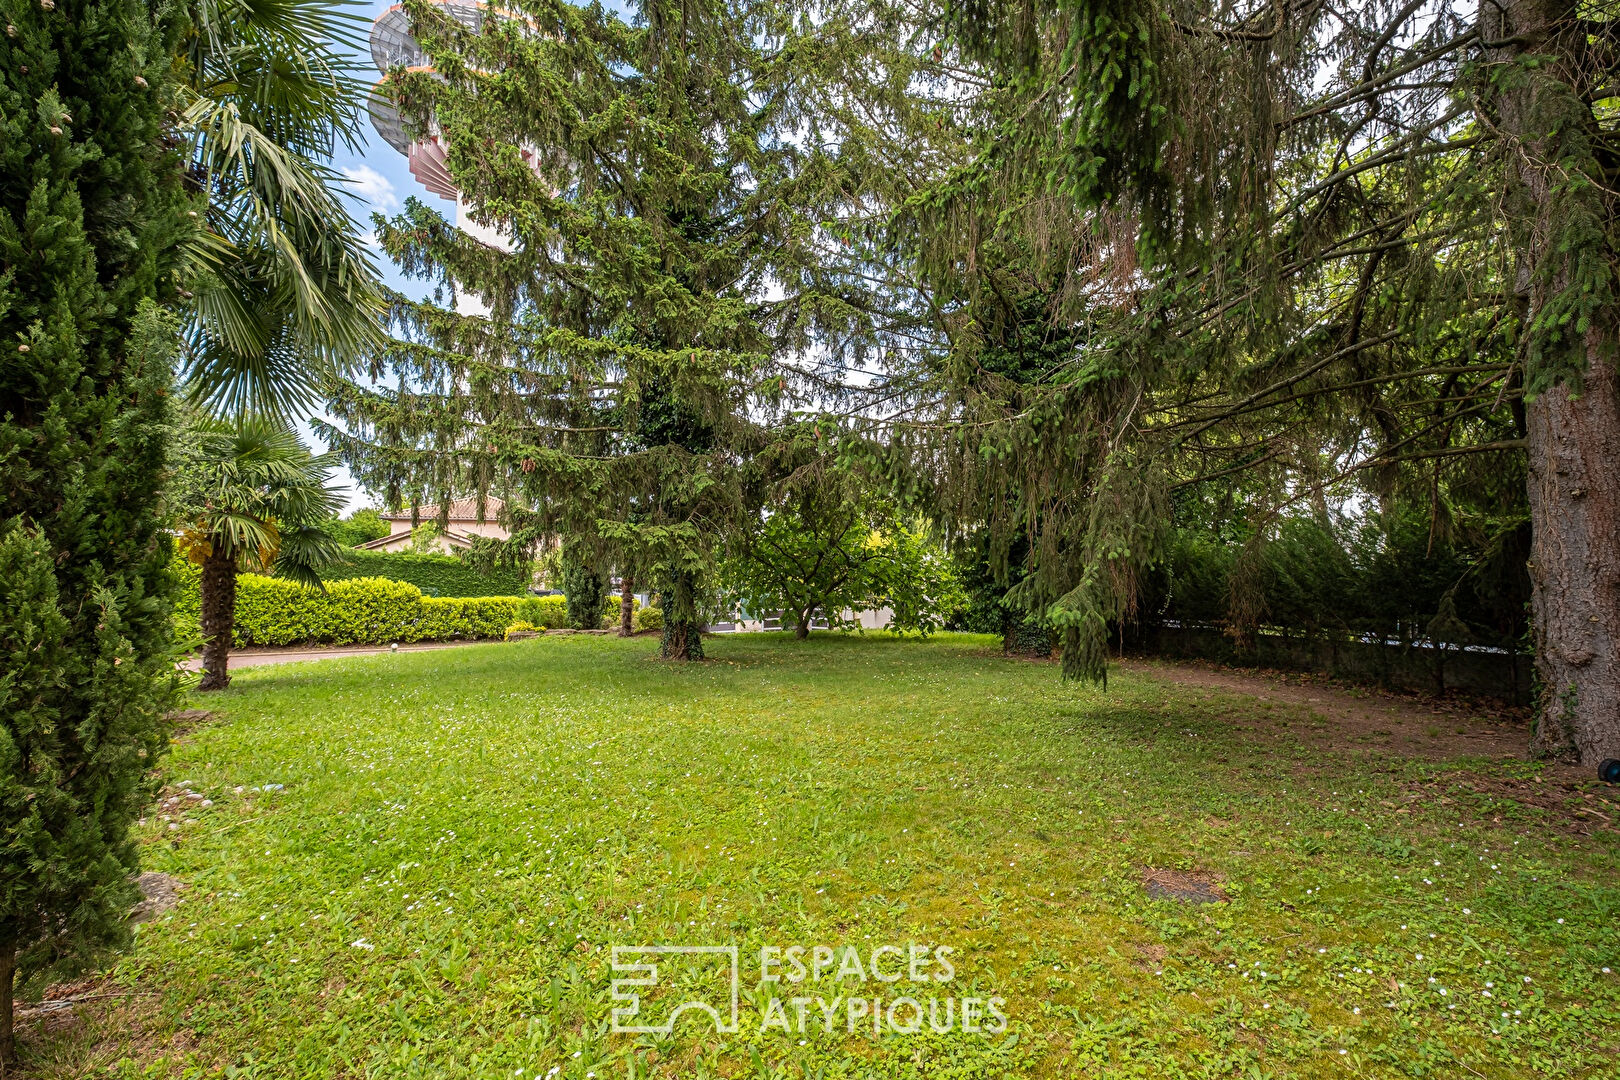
x,y
90,215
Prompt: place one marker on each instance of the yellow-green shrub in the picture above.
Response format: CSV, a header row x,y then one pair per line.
x,y
375,611
360,611
544,612
446,618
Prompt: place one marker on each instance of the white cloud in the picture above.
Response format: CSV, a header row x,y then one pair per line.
x,y
372,186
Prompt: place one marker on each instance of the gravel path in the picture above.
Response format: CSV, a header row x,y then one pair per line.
x,y
254,657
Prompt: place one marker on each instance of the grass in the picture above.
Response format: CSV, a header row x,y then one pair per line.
x,y
451,842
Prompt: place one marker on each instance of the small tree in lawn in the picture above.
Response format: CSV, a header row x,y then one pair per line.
x,y
253,498
921,587
825,546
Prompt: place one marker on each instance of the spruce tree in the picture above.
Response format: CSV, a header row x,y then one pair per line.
x,y
663,185
90,216
1364,247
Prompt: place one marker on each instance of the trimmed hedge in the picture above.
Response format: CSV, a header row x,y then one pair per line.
x,y
435,575
544,612
551,612
361,611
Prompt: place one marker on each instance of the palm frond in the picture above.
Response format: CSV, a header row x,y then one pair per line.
x,y
286,287
305,551
256,493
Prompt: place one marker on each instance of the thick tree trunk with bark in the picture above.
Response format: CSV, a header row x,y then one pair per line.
x,y
627,606
8,979
683,634
1574,446
683,640
218,596
1572,432
801,626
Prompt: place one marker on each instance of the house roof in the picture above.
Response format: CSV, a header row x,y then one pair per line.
x,y
460,510
451,536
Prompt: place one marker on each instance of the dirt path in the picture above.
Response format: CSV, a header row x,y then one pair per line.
x,y
244,658
1358,717
1368,720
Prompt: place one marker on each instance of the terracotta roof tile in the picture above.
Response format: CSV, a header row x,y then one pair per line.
x,y
460,510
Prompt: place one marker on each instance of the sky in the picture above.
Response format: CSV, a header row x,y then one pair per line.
x,y
378,181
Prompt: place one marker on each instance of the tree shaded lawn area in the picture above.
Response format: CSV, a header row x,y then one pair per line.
x,y
451,842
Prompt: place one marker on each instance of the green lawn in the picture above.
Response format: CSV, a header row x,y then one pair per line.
x,y
463,835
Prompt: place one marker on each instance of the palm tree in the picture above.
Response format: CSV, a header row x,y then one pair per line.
x,y
283,288
253,498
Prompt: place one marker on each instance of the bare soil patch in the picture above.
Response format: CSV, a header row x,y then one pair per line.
x,y
159,893
1360,719
1190,887
1582,807
84,1027
1348,717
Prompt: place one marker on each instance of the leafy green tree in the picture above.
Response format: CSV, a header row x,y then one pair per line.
x,y
92,217
425,538
826,551
284,291
358,528
663,201
920,586
251,497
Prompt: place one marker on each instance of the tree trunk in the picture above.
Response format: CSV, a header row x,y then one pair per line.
x,y
683,639
218,596
8,971
1571,430
683,634
627,606
1575,565
801,628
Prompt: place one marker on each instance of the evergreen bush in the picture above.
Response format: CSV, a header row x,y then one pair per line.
x,y
586,594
